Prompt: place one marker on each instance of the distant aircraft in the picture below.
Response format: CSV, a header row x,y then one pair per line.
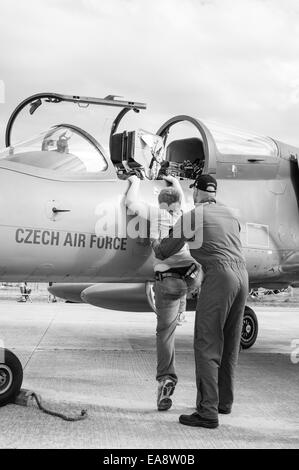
x,y
62,196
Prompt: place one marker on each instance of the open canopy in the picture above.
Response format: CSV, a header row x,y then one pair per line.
x,y
35,101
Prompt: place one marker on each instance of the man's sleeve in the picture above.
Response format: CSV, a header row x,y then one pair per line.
x,y
176,238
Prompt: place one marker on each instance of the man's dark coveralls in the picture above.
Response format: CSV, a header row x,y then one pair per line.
x,y
220,306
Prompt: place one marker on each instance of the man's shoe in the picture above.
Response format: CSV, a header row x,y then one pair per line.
x,y
224,411
165,390
197,421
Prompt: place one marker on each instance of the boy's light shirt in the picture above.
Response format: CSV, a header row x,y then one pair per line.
x,y
161,222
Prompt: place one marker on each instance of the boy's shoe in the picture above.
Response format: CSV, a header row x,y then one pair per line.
x,y
165,390
181,319
197,421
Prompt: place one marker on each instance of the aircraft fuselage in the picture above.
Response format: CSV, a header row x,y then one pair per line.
x,y
39,245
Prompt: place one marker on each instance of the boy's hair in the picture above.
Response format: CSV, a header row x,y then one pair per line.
x,y
169,196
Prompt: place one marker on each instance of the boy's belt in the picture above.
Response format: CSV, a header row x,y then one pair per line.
x,y
191,271
159,276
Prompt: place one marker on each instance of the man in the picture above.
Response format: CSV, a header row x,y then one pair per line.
x,y
221,302
25,292
173,276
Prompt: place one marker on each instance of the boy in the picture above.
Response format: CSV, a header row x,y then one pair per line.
x,y
173,277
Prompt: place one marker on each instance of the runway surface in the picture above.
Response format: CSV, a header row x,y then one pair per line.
x,y
78,356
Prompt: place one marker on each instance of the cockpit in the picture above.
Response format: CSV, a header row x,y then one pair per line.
x,y
182,147
67,149
64,149
146,155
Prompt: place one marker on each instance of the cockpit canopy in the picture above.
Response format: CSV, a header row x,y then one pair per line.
x,y
231,141
182,147
63,148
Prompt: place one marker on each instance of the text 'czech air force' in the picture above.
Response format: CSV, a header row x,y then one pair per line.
x,y
71,239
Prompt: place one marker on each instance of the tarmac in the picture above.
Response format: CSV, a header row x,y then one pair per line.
x,y
81,357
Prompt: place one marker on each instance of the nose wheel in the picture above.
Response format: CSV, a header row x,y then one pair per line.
x,y
249,329
11,376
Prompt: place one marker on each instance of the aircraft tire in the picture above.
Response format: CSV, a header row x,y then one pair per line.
x,y
11,376
249,329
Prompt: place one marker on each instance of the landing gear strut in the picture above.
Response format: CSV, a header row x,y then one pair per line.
x,y
11,376
249,329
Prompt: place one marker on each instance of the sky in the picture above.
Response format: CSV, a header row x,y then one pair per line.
x,y
231,61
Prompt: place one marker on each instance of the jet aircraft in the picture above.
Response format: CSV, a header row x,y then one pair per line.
x,y
63,216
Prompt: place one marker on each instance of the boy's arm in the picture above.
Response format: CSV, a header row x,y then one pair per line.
x,y
133,200
176,239
176,184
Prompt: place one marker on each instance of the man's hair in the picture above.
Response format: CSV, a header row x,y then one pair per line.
x,y
169,196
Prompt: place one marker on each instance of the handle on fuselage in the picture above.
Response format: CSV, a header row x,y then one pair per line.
x,y
55,210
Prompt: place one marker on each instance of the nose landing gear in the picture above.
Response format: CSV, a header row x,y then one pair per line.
x,y
11,376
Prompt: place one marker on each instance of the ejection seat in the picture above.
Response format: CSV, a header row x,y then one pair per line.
x,y
122,155
186,156
185,149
